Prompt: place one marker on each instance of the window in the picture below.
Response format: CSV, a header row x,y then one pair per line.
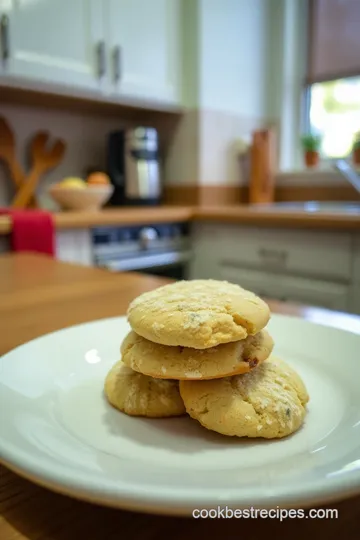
x,y
334,113
333,74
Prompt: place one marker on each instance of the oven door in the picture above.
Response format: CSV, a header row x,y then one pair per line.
x,y
172,264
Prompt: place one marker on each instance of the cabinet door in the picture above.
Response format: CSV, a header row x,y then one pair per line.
x,y
310,292
74,246
318,254
356,260
205,263
143,36
54,41
355,300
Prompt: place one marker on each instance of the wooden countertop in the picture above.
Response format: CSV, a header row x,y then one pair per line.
x,y
123,216
39,295
246,215
239,214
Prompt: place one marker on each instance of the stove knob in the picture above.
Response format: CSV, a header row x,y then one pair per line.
x,y
146,236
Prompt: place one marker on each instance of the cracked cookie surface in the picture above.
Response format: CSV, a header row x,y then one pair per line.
x,y
162,361
269,402
138,395
198,314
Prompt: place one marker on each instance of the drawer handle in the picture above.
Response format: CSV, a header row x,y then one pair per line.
x,y
101,61
275,256
117,63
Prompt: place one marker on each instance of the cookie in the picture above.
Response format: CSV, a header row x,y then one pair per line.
x,y
162,361
267,402
138,395
198,313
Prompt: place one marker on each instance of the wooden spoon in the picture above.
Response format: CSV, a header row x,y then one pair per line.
x,y
43,160
7,153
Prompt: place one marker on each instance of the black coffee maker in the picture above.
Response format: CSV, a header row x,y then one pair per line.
x,y
133,167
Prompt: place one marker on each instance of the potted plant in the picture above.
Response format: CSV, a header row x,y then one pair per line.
x,y
311,146
356,150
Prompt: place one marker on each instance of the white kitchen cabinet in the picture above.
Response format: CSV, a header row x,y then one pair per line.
x,y
309,267
125,48
356,267
74,246
356,276
355,299
144,43
207,250
319,254
54,41
311,292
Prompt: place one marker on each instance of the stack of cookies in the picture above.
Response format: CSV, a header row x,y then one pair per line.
x,y
200,347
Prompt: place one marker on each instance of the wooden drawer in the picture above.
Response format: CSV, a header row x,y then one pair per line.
x,y
304,253
311,292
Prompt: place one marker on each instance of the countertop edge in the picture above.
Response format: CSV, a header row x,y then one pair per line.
x,y
225,214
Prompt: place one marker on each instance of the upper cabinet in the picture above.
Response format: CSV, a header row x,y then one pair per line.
x,y
143,38
121,48
53,41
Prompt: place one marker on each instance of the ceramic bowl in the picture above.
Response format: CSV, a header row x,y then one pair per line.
x,y
90,198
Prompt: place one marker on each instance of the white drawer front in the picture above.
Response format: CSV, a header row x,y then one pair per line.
x,y
74,246
356,268
301,290
206,241
305,253
355,300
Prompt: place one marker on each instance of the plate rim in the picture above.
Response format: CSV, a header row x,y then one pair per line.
x,y
168,502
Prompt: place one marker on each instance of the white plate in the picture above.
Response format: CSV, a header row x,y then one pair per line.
x,y
57,429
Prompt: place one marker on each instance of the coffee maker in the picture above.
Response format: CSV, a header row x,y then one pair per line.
x,y
133,167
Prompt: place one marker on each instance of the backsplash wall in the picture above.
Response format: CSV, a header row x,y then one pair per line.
x,y
220,162
85,138
199,152
203,150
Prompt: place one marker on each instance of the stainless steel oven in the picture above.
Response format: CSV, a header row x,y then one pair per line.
x,y
161,249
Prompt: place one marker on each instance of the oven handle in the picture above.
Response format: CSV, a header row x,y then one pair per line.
x,y
149,261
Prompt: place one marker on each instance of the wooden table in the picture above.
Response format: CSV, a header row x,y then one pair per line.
x,y
39,295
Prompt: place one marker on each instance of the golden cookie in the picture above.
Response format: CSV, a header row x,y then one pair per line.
x,y
162,361
267,402
198,314
138,395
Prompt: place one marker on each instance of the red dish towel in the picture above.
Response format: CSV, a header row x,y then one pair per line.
x,y
32,230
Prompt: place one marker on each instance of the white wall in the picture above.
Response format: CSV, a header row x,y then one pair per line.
x,y
225,67
252,65
233,48
190,23
286,65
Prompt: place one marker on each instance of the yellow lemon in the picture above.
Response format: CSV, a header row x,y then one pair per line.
x,y
73,183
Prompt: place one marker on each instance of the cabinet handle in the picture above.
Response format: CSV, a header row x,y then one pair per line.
x,y
279,256
117,62
101,62
4,35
